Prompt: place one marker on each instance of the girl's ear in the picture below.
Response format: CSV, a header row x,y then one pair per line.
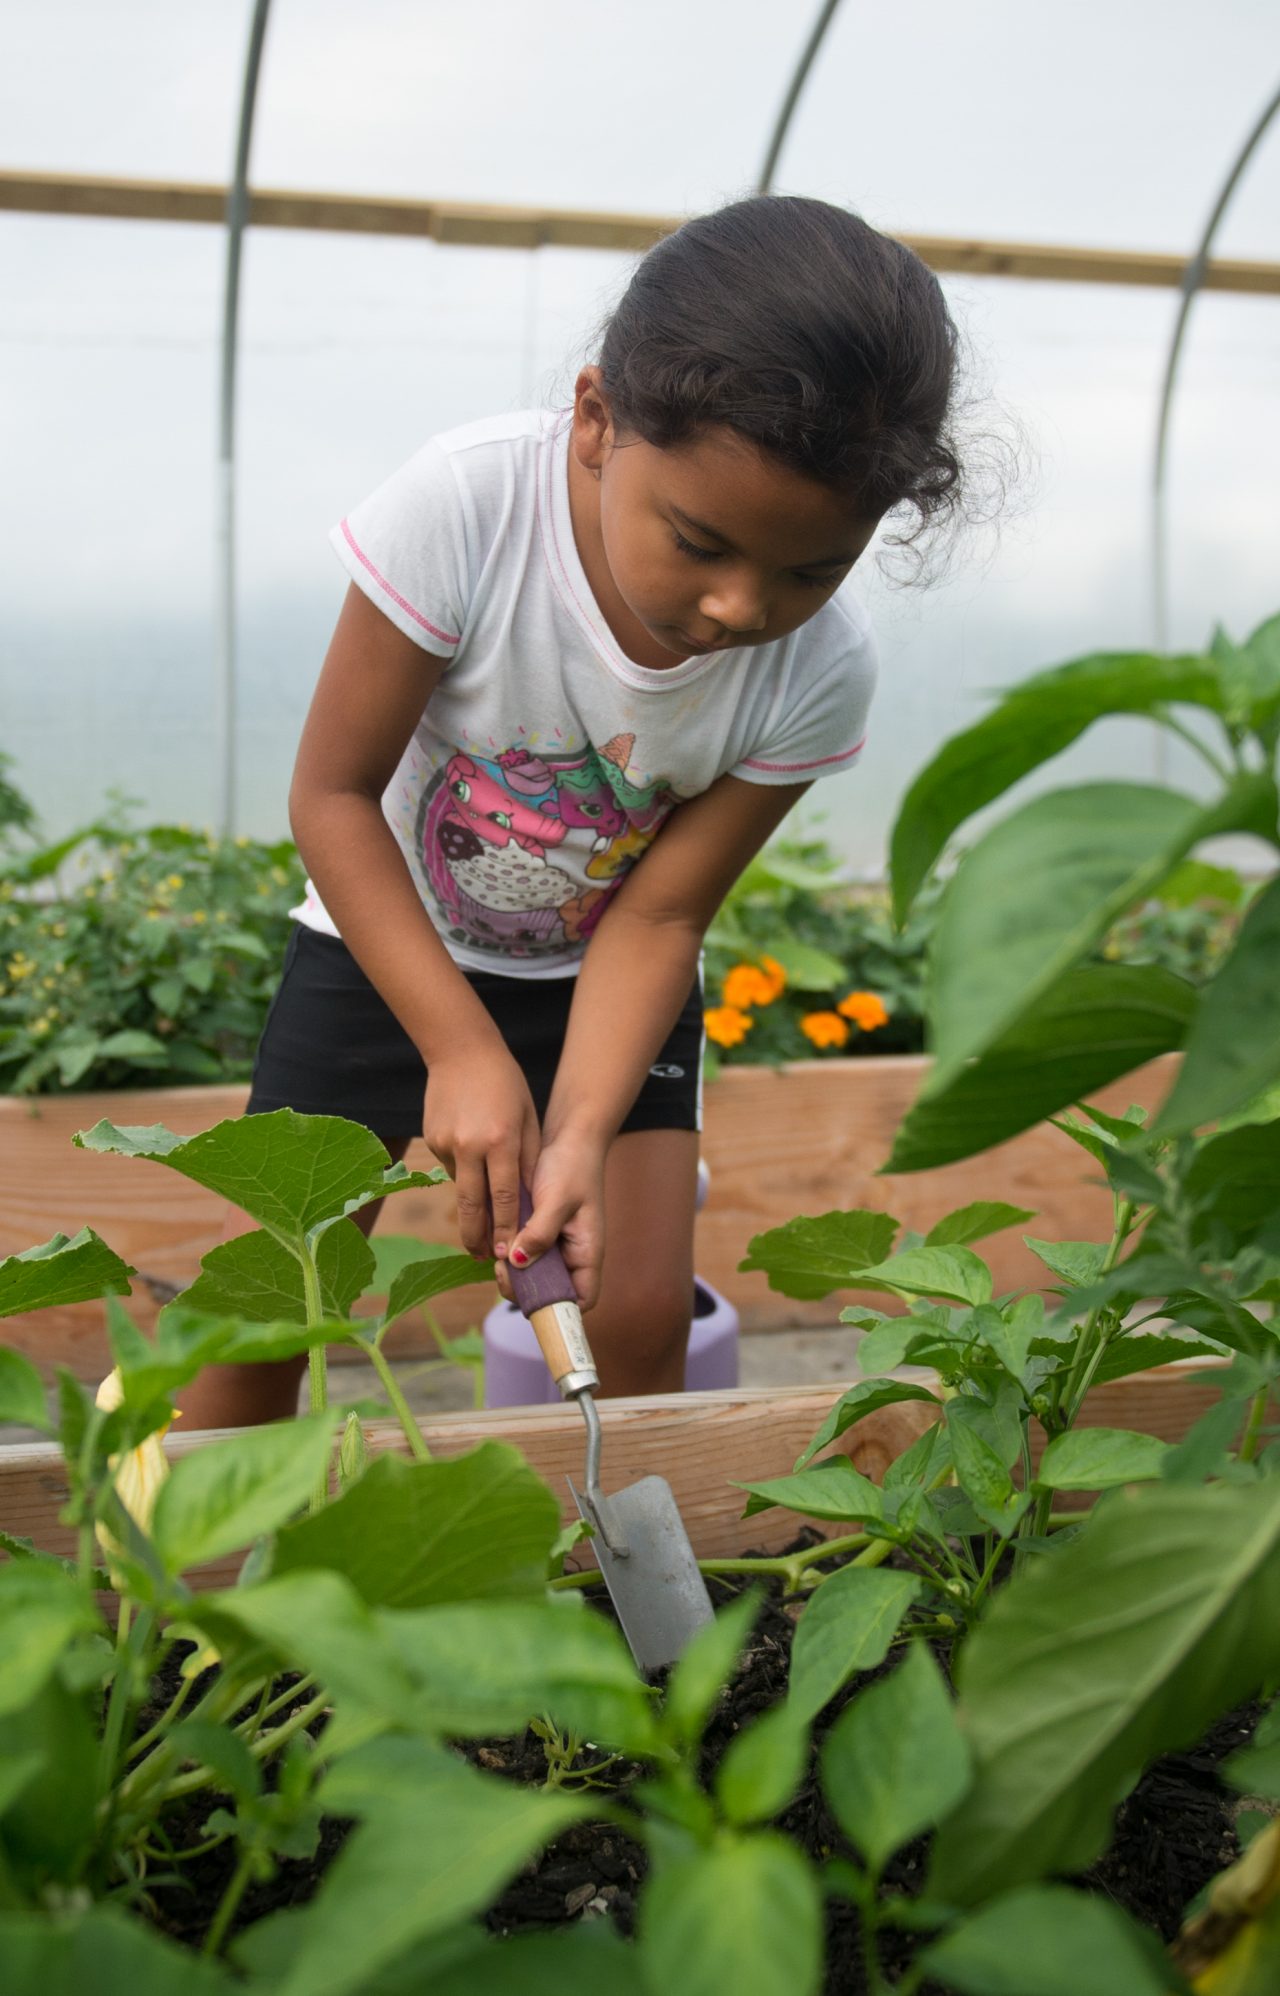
x,y
593,434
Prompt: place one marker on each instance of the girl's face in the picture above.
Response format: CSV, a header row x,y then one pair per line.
x,y
708,544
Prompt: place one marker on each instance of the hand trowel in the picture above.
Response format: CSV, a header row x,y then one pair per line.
x,y
637,1532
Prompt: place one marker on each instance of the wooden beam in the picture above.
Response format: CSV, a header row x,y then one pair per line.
x,y
497,226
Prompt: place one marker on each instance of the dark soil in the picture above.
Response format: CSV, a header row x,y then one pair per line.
x,y
1172,1835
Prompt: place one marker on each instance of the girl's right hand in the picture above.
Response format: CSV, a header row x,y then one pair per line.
x,y
478,1118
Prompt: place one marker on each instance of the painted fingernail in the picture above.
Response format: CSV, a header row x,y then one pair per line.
x,y
519,1257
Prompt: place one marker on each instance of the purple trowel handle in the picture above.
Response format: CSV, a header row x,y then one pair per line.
x,y
547,1280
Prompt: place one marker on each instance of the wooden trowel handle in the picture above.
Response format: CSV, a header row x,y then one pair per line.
x,y
545,1293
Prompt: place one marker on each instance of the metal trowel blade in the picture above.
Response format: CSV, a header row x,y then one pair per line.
x,y
659,1594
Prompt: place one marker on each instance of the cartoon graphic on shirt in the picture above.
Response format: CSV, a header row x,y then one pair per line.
x,y
522,852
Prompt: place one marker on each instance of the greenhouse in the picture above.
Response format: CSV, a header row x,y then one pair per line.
x,y
639,1070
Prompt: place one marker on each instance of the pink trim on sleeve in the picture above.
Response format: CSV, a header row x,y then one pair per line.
x,y
394,594
798,768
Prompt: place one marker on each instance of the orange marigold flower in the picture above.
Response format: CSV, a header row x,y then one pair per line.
x,y
746,985
825,1029
776,975
865,1009
727,1026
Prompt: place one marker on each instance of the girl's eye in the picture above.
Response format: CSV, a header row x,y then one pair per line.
x,y
692,549
820,581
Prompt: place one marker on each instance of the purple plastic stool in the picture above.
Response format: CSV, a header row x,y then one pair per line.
x,y
515,1374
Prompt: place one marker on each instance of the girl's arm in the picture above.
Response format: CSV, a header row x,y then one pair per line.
x,y
479,1118
635,977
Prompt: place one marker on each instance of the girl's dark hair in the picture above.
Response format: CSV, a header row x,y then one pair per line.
x,y
800,326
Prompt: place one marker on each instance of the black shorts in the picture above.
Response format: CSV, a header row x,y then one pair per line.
x,y
332,1047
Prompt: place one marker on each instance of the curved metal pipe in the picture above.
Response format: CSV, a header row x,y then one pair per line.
x,y
792,97
1192,280
225,586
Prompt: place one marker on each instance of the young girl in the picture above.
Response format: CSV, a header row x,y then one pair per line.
x,y
587,662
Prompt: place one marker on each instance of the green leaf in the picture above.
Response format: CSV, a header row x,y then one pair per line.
x,y
439,1842
705,1667
833,1489
435,1271
1046,1940
1134,1353
744,1915
187,1340
103,1951
1077,1262
763,1766
807,968
484,1667
1099,1459
1034,722
1095,1024
288,1172
221,1497
61,1270
868,1397
810,1258
411,1533
1233,1179
895,1762
975,1222
981,1473
142,1049
1042,887
847,1626
1233,1049
22,1392
256,1276
1008,1336
1167,1609
41,1610
954,1272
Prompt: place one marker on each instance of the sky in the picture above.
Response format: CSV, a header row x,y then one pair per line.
x,y
1095,125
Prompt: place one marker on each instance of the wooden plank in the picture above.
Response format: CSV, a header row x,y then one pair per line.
x,y
507,226
699,1441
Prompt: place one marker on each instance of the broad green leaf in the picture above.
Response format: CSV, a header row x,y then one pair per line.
x,y
313,1622
763,1766
895,1762
1047,1940
982,1474
579,1960
104,1951
18,1771
1096,1023
186,1341
411,1533
50,1824
810,1258
1196,880
257,1277
954,1272
1042,887
492,1666
41,1610
1167,1608
436,1270
927,1461
438,1843
61,1270
847,1626
221,1497
1139,1353
1077,1262
1234,1179
975,1222
807,968
833,1489
22,1392
745,1915
865,1398
144,1049
706,1665
1033,722
1099,1459
288,1172
1008,1336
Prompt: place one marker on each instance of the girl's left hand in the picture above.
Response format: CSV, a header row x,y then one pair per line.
x,y
568,1207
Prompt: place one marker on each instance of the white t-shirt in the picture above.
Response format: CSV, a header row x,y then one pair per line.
x,y
545,760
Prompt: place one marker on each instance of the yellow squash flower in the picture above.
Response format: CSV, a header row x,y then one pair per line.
x,y
825,1029
865,1009
139,1472
727,1026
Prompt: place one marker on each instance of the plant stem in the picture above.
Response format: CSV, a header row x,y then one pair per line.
x,y
404,1413
249,1727
163,1723
1188,735
227,1905
1253,1429
317,1365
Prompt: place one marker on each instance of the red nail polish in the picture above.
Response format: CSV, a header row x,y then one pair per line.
x,y
519,1257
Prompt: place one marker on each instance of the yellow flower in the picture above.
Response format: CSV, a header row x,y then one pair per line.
x,y
865,1009
58,929
39,1026
825,1029
139,1472
173,880
727,1026
242,840
20,966
199,915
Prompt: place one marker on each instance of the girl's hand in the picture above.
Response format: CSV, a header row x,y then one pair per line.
x,y
567,1189
478,1118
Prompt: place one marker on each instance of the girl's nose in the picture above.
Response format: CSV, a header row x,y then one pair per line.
x,y
737,605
